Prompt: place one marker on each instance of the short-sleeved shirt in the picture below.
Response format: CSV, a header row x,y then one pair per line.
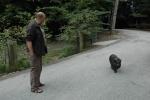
x,y
35,35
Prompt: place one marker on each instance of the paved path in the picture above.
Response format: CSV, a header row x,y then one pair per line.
x,y
88,76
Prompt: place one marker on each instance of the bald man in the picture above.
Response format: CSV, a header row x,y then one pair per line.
x,y
36,48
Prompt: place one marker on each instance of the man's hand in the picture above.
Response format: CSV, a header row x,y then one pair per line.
x,y
31,53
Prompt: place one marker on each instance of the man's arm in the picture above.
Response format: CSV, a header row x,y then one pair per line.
x,y
30,48
30,38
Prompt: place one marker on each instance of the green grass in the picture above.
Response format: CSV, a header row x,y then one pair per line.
x,y
56,54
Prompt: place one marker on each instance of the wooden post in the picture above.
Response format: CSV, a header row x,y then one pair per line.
x,y
81,41
77,43
12,56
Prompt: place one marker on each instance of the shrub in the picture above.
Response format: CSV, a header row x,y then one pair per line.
x,y
23,64
2,68
84,22
67,51
56,18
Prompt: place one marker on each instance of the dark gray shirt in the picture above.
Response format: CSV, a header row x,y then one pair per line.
x,y
35,35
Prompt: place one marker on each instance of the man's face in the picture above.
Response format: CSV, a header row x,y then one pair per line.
x,y
41,20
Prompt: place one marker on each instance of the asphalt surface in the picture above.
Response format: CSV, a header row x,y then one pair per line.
x,y
88,76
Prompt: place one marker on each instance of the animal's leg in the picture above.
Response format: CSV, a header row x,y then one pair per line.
x,y
115,70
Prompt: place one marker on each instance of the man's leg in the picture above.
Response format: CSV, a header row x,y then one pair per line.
x,y
39,71
35,66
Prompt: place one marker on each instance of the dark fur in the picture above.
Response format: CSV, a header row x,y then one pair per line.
x,y
115,62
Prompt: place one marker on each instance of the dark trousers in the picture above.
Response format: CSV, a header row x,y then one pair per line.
x,y
36,68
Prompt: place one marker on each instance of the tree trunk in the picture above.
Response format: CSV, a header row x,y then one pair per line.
x,y
114,16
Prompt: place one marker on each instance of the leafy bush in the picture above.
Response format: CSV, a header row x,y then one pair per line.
x,y
2,68
56,18
16,33
13,16
67,51
23,64
84,22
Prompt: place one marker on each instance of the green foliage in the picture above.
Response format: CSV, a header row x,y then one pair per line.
x,y
16,14
83,4
12,23
54,12
101,5
2,68
13,16
142,6
85,22
16,33
23,64
77,5
136,14
67,51
56,18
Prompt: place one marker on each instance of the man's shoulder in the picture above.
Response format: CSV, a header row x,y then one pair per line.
x,y
32,24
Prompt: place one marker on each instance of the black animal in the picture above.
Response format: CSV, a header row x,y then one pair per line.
x,y
115,62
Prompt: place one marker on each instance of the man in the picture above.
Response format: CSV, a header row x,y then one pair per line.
x,y
36,48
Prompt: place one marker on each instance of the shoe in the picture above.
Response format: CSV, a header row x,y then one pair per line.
x,y
41,85
36,90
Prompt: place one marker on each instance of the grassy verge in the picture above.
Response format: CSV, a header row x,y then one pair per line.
x,y
56,51
54,55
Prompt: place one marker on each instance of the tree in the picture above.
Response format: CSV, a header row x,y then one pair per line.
x,y
114,16
133,14
85,22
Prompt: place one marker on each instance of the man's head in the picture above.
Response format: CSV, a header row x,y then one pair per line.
x,y
40,17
